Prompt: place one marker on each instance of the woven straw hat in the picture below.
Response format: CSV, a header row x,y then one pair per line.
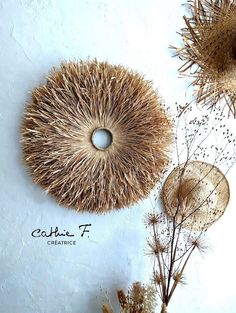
x,y
197,192
209,51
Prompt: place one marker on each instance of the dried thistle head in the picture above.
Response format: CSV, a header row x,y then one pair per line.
x,y
199,243
62,118
157,278
157,246
151,219
209,51
179,278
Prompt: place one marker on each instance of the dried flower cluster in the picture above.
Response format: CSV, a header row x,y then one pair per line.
x,y
139,299
209,51
77,99
177,231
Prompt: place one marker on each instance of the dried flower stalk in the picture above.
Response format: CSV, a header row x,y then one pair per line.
x,y
209,51
173,239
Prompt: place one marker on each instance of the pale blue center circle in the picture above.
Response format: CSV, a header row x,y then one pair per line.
x,y
102,138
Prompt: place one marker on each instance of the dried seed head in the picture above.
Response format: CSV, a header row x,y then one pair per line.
x,y
122,298
151,219
179,278
157,278
200,243
137,295
209,50
156,247
59,126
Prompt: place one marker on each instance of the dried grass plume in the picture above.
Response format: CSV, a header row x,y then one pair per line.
x,y
209,51
60,120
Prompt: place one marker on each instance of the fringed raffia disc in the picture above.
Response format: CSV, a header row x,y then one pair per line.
x,y
59,124
209,51
197,193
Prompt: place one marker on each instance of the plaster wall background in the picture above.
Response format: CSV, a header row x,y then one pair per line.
x,y
36,35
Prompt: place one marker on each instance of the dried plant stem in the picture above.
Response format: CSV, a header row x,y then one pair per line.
x,y
181,272
163,308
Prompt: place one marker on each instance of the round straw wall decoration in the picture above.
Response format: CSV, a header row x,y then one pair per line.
x,y
209,50
63,119
196,193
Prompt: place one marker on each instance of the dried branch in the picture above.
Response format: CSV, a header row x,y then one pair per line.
x,y
191,202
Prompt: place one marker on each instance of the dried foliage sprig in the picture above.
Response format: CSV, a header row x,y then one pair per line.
x,y
173,234
139,299
58,124
209,51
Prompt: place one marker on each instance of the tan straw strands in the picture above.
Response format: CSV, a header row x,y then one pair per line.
x,y
59,124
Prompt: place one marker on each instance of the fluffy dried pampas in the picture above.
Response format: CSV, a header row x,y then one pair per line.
x,y
209,51
59,123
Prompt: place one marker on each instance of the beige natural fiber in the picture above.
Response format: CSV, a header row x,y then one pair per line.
x,y
140,298
209,51
196,193
58,125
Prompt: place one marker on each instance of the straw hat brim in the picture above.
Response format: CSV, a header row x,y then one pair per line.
x,y
196,193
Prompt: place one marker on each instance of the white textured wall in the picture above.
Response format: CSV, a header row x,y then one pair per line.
x,y
34,277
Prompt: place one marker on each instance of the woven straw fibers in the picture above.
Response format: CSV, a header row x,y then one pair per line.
x,y
197,193
209,50
58,123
